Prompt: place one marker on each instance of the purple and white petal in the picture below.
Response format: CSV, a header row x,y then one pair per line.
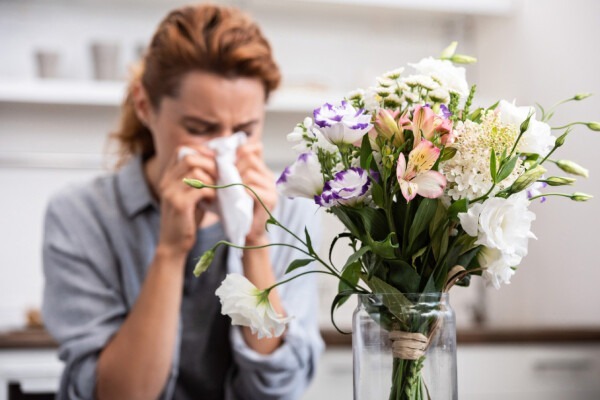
x,y
342,124
303,178
349,188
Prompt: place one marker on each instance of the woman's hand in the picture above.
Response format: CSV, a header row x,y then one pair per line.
x,y
258,176
182,206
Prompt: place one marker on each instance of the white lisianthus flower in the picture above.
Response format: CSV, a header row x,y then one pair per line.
x,y
497,266
248,306
503,226
451,77
303,178
537,138
349,187
342,123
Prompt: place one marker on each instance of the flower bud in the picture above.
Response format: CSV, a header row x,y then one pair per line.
x,y
559,181
572,168
561,139
385,123
195,183
578,196
528,178
449,51
581,96
525,125
204,262
595,126
463,59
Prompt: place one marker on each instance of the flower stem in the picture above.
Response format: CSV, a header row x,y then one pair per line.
x,y
568,125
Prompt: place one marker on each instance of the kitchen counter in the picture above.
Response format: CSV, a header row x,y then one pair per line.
x,y
39,338
36,338
513,336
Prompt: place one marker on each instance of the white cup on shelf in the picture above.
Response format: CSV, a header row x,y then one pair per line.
x,y
47,63
105,60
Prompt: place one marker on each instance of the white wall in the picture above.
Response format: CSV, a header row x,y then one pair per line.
x,y
522,56
545,53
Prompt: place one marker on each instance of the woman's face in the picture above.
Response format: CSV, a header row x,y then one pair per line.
x,y
208,106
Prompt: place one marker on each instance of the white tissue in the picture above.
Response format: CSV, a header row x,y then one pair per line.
x,y
234,204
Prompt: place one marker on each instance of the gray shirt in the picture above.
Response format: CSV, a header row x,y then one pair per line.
x,y
99,241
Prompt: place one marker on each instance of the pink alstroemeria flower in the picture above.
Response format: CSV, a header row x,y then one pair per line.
x,y
425,124
418,178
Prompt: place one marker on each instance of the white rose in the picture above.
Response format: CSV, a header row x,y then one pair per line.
x,y
248,306
537,138
497,266
503,227
503,224
452,77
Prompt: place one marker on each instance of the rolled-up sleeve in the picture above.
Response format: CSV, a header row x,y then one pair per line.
x,y
285,373
82,306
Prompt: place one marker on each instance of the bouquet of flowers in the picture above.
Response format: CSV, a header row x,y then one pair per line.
x,y
430,189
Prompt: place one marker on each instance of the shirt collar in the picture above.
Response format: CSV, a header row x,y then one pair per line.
x,y
133,188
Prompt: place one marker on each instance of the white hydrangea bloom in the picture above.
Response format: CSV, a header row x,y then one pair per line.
x,y
453,78
425,81
538,136
468,172
372,100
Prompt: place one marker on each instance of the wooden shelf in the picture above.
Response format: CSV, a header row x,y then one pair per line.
x,y
110,94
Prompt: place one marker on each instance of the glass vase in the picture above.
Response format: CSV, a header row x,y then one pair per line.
x,y
404,347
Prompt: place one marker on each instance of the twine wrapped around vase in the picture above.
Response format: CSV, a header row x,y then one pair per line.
x,y
411,345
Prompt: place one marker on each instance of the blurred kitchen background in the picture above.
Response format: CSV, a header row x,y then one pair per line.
x,y
63,66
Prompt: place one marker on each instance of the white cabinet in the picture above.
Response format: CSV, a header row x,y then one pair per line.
x,y
36,371
529,372
491,372
333,379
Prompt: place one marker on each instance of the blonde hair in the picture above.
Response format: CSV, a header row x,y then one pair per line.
x,y
216,39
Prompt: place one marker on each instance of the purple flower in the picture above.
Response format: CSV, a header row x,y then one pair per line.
x,y
303,178
348,188
445,111
535,190
342,124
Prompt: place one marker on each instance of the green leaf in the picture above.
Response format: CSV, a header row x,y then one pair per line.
x,y
493,106
384,248
351,274
447,154
301,262
459,206
377,193
423,216
356,256
469,257
334,241
365,152
340,297
493,167
403,276
418,254
474,116
308,242
369,225
392,298
439,244
507,168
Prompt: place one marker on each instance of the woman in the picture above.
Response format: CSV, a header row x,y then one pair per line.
x,y
131,320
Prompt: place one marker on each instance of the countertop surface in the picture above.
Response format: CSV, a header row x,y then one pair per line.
x,y
39,338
